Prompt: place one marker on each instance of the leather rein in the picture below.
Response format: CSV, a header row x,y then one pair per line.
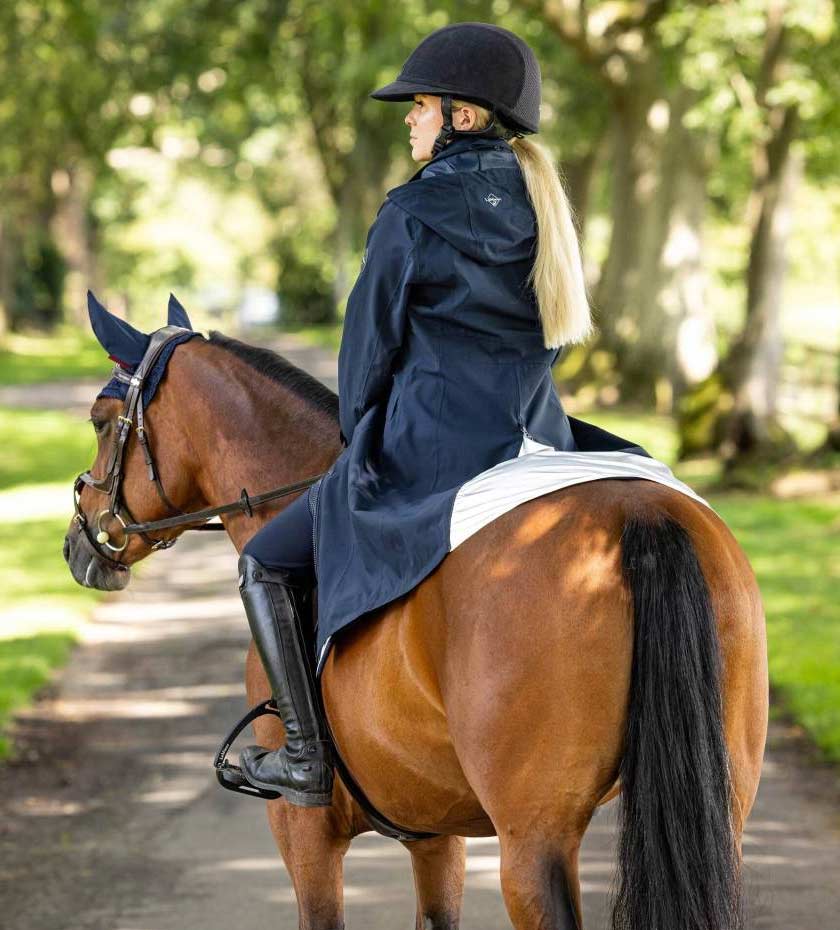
x,y
111,483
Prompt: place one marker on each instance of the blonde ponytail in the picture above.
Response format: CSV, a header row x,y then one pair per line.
x,y
557,273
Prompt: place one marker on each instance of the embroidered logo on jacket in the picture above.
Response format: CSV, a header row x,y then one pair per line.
x,y
493,200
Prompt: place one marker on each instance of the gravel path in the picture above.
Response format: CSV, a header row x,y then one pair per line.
x,y
111,819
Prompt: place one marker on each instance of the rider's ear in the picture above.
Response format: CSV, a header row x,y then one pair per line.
x,y
177,314
119,339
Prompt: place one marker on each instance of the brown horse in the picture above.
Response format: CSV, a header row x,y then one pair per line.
x,y
604,639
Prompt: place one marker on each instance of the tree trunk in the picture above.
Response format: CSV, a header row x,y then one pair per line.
x,y
354,178
670,255
696,354
618,274
734,410
637,317
832,440
343,242
7,261
577,176
751,370
72,232
636,343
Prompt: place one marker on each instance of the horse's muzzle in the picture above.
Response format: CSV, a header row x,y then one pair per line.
x,y
90,568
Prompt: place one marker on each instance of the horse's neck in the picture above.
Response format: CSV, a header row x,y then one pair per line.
x,y
249,431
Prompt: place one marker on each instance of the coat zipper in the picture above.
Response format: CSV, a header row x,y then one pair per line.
x,y
315,529
526,433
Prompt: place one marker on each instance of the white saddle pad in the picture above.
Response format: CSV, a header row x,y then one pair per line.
x,y
538,470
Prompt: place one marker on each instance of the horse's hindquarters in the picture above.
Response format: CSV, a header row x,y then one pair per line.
x,y
537,668
387,716
502,677
495,694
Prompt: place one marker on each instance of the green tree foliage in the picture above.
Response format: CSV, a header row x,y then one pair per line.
x,y
60,78
665,116
773,114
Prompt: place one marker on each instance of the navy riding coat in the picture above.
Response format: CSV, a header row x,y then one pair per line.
x,y
441,373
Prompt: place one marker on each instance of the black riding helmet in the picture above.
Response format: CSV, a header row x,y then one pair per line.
x,y
478,62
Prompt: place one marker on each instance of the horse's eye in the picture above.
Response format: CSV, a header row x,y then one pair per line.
x,y
98,425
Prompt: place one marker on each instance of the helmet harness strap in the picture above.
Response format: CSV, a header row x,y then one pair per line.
x,y
448,132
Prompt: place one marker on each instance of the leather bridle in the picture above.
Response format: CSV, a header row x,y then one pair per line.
x,y
111,483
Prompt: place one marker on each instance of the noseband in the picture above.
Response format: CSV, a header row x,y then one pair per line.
x,y
111,483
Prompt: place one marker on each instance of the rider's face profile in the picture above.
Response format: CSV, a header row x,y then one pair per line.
x,y
425,120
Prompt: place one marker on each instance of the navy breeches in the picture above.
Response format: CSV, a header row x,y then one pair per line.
x,y
285,542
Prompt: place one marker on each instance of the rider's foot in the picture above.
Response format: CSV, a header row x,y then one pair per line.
x,y
305,779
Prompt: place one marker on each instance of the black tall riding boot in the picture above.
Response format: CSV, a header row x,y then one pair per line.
x,y
301,770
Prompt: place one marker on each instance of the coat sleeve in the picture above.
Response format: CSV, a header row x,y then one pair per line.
x,y
374,322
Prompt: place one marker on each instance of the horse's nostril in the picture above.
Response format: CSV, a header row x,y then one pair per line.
x,y
66,549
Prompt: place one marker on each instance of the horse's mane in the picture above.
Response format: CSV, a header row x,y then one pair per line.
x,y
280,369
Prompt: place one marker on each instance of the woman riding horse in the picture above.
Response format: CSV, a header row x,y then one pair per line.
x,y
471,282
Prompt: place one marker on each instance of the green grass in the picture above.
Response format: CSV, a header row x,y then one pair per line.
x,y
654,432
42,606
40,454
66,354
33,568
328,337
794,549
25,667
38,446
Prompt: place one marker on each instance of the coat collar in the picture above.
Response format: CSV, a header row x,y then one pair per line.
x,y
463,144
475,198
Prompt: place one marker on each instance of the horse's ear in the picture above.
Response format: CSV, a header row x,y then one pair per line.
x,y
177,314
121,340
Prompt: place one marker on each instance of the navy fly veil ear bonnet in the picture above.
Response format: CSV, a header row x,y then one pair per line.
x,y
126,345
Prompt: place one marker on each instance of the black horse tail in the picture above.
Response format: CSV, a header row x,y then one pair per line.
x,y
678,864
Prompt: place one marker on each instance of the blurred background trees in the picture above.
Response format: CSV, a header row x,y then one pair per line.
x,y
231,149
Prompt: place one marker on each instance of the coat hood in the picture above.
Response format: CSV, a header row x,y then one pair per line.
x,y
473,195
